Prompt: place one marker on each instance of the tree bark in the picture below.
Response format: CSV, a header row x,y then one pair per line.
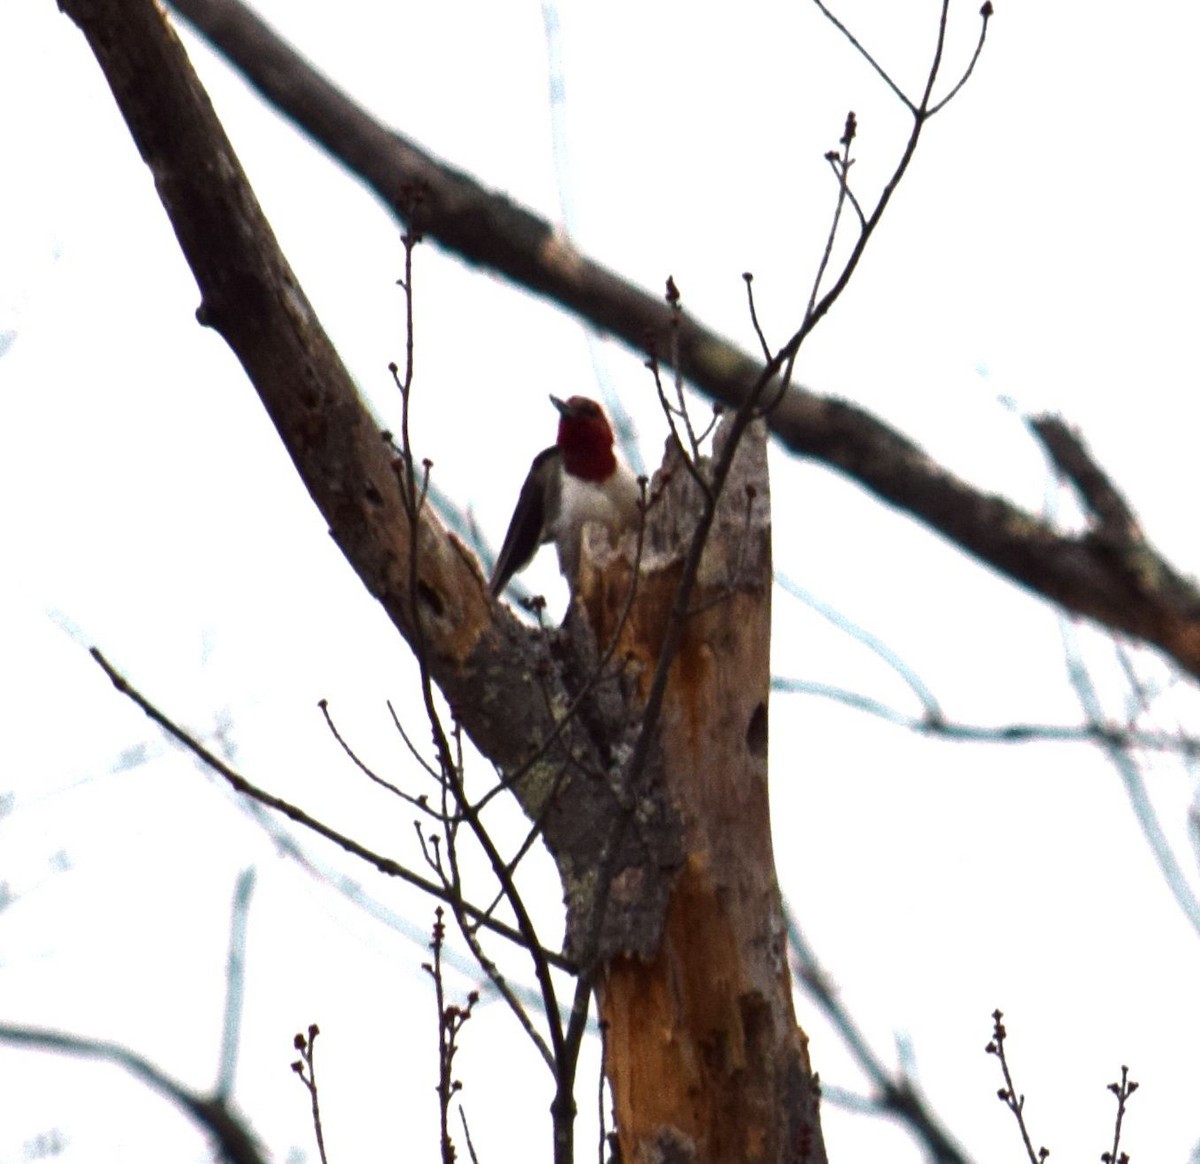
x,y
702,1050
686,944
501,679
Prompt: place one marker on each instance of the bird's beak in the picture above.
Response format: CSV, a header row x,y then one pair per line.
x,y
563,407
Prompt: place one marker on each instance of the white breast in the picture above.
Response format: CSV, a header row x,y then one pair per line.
x,y
613,505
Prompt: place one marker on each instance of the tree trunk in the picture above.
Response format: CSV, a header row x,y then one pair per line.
x,y
702,1051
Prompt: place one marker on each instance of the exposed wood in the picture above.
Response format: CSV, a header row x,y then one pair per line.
x,y
703,1053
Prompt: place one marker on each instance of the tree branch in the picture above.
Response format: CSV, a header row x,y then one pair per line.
x,y
230,1134
500,680
243,787
1147,599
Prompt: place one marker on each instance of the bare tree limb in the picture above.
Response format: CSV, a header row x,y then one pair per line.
x,y
235,984
243,786
493,672
895,1093
1101,497
1145,598
232,1138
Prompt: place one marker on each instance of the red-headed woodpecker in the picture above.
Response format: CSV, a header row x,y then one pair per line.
x,y
577,480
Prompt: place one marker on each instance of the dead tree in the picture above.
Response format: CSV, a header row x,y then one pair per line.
x,y
636,737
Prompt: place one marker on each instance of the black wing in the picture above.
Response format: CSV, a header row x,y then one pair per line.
x,y
527,530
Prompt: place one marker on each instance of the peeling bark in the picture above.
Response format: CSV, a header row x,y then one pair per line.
x,y
702,1049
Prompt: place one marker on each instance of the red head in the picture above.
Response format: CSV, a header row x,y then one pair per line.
x,y
585,439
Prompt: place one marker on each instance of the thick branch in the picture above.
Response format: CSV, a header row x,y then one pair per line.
x,y
496,675
1139,595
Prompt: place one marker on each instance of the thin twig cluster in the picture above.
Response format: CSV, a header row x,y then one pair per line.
x,y
1016,1103
451,1020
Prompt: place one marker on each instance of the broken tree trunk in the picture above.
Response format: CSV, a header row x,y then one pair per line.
x,y
702,1051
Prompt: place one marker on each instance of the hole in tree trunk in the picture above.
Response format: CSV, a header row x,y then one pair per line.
x,y
756,732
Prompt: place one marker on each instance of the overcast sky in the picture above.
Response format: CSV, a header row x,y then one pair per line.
x,y
1042,255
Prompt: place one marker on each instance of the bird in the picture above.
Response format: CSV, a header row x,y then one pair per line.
x,y
578,479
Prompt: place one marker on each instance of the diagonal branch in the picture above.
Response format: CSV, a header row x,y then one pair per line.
x,y
231,1135
243,786
1151,602
500,680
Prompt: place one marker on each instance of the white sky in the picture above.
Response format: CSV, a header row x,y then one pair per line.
x,y
1044,248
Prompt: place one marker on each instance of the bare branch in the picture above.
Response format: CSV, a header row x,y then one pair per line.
x,y
1074,461
235,984
243,786
758,331
985,13
883,73
1135,785
1122,1091
231,1137
306,1071
1125,739
418,802
895,1095
480,656
1008,1093
490,230
451,1020
872,642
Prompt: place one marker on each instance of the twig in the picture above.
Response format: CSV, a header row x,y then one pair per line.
x,y
689,459
450,774
413,750
748,410
841,166
241,784
871,641
758,331
1122,1091
986,12
457,809
675,305
510,996
1131,777
306,1069
867,56
416,801
232,1138
1186,747
1008,1093
329,878
894,1095
462,1115
451,1020
235,984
